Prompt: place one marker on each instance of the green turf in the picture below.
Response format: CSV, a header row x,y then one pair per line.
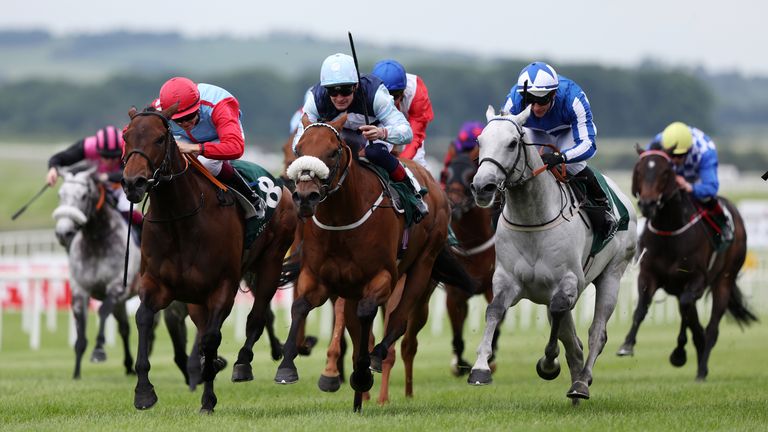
x,y
640,393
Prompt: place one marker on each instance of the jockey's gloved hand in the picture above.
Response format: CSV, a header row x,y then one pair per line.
x,y
553,159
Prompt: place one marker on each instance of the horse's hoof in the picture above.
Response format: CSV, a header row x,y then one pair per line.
x,y
548,374
286,376
579,390
130,371
460,368
478,377
242,372
98,356
626,350
145,399
206,411
329,384
375,363
361,380
277,352
309,343
678,357
219,363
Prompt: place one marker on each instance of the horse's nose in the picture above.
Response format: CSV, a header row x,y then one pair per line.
x,y
306,202
65,237
134,187
647,207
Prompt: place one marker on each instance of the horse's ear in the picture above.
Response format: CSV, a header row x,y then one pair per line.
x,y
635,182
171,110
523,116
132,112
338,124
490,113
638,149
305,120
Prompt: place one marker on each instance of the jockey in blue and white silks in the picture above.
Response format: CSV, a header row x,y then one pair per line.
x,y
340,91
694,157
561,116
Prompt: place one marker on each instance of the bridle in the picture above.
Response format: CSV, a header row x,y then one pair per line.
x,y
326,189
159,174
508,182
662,198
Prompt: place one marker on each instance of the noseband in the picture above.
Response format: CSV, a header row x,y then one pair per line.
x,y
661,199
159,174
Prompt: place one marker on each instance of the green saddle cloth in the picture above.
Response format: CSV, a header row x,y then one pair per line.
x,y
269,189
405,197
599,240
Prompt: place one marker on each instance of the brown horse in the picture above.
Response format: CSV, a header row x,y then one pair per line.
x,y
677,254
474,230
350,248
193,246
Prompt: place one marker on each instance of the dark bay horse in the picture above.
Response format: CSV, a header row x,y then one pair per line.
x,y
474,230
677,255
350,249
193,246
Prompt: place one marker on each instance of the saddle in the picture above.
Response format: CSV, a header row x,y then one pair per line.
x,y
269,188
619,210
716,224
401,195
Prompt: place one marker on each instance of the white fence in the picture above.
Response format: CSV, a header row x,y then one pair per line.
x,y
33,280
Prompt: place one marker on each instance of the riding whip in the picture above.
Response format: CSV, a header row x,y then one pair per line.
x,y
37,195
357,69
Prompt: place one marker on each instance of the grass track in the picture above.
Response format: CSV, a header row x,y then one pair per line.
x,y
639,393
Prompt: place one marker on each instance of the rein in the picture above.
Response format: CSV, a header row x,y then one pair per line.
x,y
158,174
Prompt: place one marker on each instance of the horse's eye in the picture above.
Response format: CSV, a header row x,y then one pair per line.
x,y
512,144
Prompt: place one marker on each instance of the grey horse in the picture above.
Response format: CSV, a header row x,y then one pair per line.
x,y
543,243
94,234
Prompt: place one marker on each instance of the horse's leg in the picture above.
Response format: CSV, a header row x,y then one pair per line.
x,y
688,310
505,293
219,306
330,379
105,310
80,301
121,316
275,346
410,344
311,295
678,356
574,353
646,288
606,295
721,294
560,305
267,273
144,393
456,303
175,321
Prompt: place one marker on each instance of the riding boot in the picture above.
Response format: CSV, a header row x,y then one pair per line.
x,y
715,211
603,221
238,183
422,210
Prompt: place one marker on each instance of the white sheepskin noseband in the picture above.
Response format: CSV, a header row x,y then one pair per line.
x,y
306,168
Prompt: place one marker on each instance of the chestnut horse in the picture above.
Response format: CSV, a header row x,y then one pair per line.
x,y
350,249
678,256
192,247
474,230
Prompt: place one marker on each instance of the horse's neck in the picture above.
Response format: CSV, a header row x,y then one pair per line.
x,y
170,199
675,213
474,228
101,223
350,202
536,201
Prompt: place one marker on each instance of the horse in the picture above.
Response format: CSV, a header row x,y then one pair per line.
x,y
544,251
350,249
473,227
93,233
193,245
678,256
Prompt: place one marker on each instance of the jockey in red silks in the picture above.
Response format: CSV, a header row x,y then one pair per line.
x,y
104,149
412,99
465,142
207,125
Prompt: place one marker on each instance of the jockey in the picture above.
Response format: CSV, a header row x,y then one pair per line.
x,y
104,149
412,99
694,157
561,116
207,124
340,91
465,142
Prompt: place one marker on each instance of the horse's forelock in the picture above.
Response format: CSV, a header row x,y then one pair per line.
x,y
307,167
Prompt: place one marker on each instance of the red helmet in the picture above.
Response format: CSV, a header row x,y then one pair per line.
x,y
182,90
109,142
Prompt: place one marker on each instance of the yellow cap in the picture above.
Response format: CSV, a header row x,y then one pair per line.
x,y
677,138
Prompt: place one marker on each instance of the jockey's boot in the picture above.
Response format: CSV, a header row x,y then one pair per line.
x,y
715,211
422,209
238,183
603,221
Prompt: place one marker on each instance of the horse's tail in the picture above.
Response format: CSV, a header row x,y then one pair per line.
x,y
738,308
449,270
